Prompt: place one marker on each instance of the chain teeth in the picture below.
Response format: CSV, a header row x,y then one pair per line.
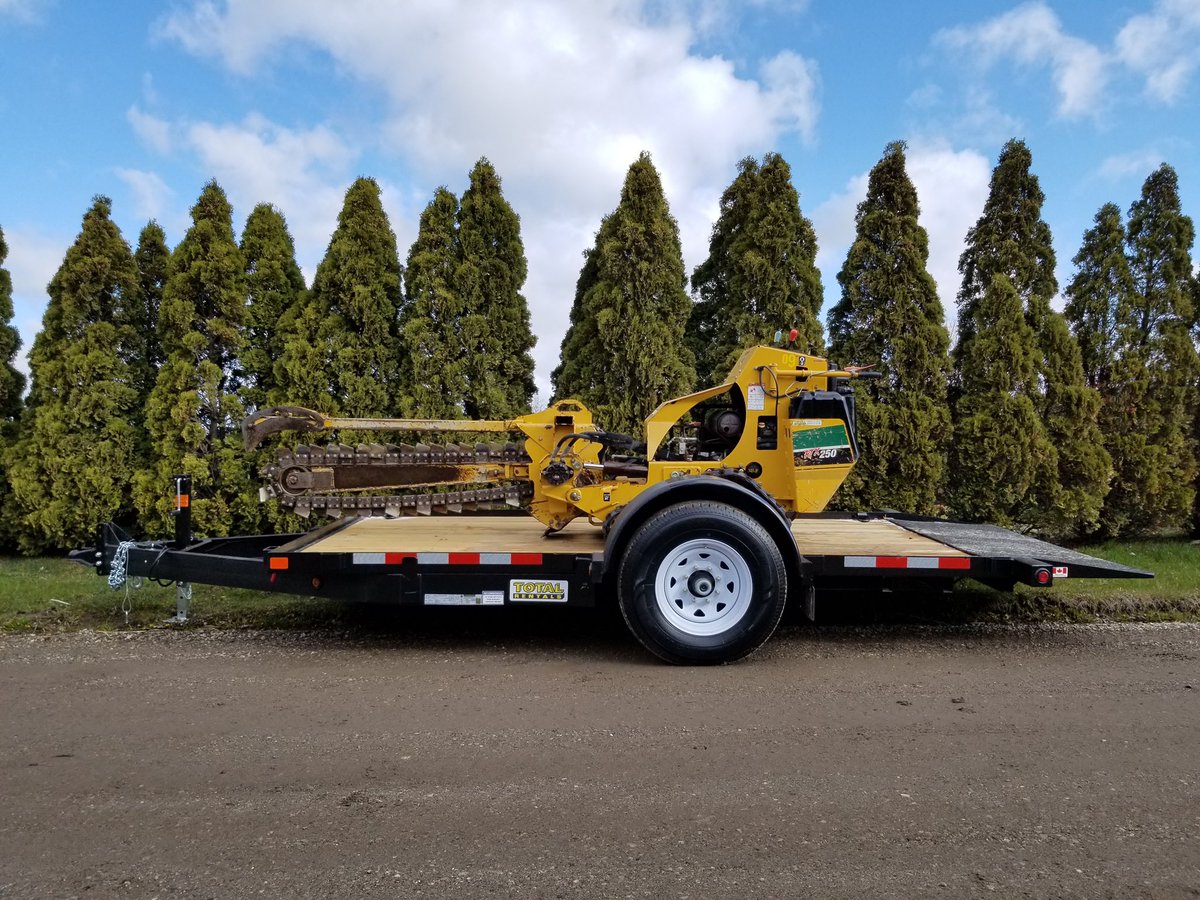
x,y
401,454
395,505
452,501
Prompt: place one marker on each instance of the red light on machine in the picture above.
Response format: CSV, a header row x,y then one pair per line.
x,y
792,335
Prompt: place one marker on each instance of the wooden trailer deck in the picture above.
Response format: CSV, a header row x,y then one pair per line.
x,y
523,534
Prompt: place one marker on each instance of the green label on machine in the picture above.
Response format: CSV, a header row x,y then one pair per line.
x,y
826,436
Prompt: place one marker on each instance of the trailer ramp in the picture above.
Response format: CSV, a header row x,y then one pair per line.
x,y
992,541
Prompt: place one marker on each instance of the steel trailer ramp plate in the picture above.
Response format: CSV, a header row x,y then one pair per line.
x,y
993,541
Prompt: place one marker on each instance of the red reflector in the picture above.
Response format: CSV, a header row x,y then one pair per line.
x,y
891,562
954,562
464,559
394,559
184,501
278,562
527,559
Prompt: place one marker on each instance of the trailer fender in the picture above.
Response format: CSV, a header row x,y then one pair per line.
x,y
733,489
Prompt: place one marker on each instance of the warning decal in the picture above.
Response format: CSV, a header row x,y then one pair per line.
x,y
521,591
483,598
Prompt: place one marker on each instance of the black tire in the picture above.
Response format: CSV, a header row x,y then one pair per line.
x,y
733,594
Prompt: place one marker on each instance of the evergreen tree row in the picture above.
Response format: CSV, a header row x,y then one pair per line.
x,y
1026,448
12,386
465,324
890,316
148,359
1068,424
1132,304
624,352
1078,422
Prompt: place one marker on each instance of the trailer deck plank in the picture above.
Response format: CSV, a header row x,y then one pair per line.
x,y
458,534
874,537
523,534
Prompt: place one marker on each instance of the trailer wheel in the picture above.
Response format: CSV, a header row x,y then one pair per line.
x,y
702,582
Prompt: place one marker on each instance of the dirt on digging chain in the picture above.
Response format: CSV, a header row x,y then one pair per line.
x,y
548,756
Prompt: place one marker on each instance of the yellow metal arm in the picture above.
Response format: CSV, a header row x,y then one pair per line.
x,y
266,422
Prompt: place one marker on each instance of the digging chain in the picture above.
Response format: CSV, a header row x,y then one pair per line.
x,y
375,466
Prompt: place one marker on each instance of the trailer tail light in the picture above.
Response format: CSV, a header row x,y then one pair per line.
x,y
1042,576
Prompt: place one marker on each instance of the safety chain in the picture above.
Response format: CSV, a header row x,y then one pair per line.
x,y
120,563
117,574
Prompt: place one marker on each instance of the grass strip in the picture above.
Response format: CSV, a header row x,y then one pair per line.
x,y
52,594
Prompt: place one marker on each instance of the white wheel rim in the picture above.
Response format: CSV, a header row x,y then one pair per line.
x,y
703,587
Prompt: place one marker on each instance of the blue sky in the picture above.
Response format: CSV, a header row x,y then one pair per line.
x,y
287,101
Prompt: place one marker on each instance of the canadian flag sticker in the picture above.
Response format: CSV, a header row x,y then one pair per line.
x,y
1060,571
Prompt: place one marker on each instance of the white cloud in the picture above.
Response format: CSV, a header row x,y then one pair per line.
x,y
1136,163
560,97
793,81
833,221
716,16
972,118
951,185
28,11
33,258
304,173
150,192
1162,46
982,122
1033,36
149,91
153,131
927,96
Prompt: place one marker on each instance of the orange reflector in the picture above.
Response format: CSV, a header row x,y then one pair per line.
x,y
278,562
184,501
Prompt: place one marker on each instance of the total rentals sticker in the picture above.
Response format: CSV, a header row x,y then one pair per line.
x,y
521,591
756,397
1060,571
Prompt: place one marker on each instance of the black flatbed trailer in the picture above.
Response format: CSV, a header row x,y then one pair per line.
x,y
681,566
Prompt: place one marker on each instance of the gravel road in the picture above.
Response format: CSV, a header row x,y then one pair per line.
x,y
550,757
